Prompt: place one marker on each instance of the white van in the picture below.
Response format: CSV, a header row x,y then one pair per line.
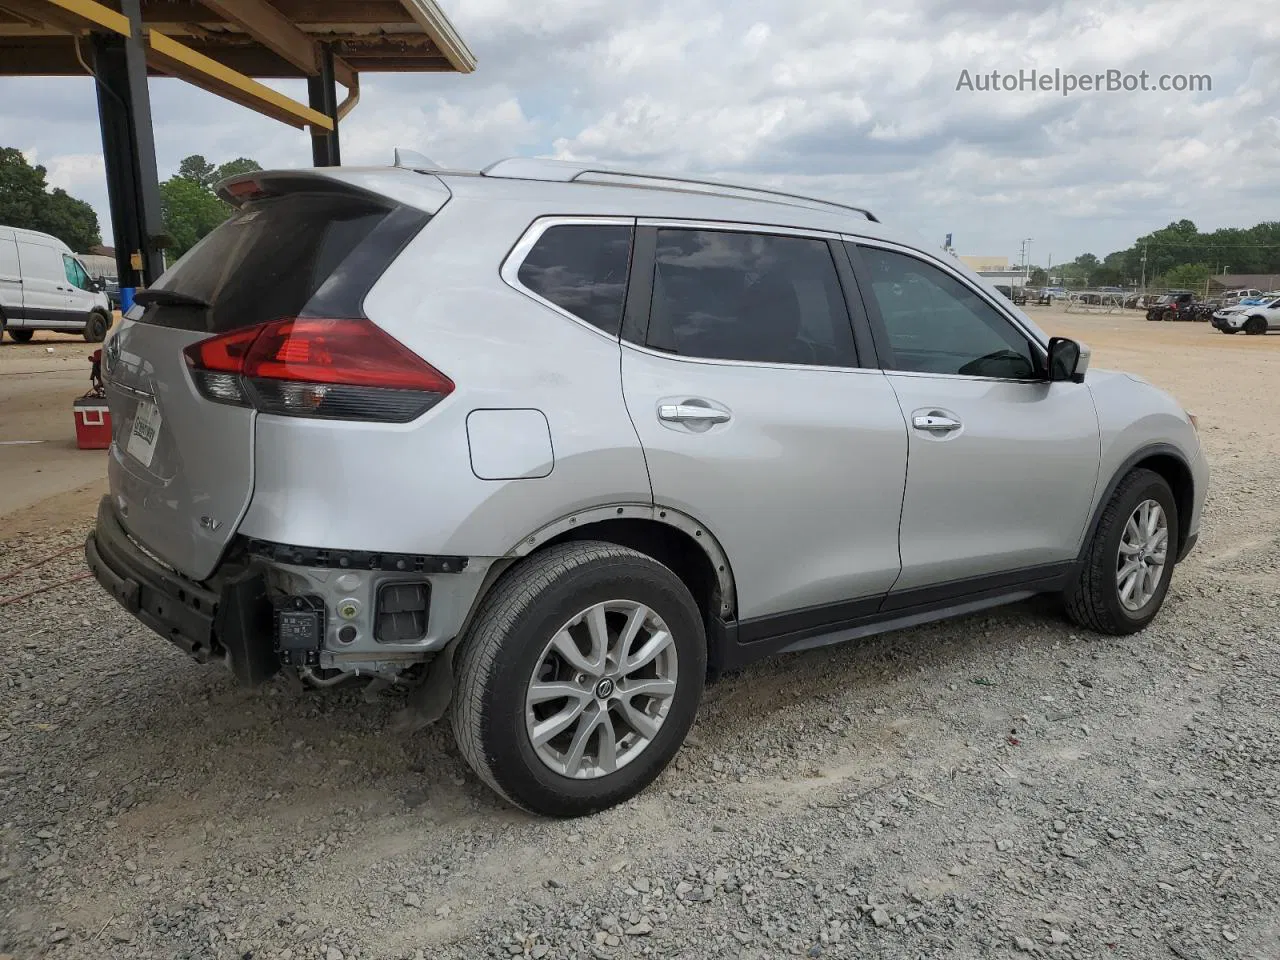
x,y
44,286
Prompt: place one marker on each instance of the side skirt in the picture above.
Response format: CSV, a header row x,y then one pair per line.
x,y
762,637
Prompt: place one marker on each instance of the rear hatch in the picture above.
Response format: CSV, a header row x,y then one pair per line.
x,y
182,459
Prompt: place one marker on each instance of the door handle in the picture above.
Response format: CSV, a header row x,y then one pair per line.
x,y
691,413
935,423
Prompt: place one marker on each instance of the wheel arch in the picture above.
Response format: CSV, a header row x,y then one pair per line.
x,y
669,536
1170,463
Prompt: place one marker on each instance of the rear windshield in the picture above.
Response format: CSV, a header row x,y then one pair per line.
x,y
303,254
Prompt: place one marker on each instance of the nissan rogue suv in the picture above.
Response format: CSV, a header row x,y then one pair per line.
x,y
548,446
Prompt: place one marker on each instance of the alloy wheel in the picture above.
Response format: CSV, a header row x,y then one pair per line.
x,y
601,689
1143,553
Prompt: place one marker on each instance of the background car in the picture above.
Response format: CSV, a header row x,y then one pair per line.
x,y
1252,318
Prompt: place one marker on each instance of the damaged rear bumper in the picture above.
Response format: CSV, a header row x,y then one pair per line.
x,y
229,618
270,605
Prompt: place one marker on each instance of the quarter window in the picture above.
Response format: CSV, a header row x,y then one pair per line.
x,y
726,295
582,268
936,324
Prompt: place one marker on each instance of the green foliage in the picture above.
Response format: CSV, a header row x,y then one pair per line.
x,y
190,212
1038,277
26,201
198,170
1188,276
233,168
191,209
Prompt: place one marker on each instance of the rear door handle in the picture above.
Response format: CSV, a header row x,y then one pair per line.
x,y
691,413
935,423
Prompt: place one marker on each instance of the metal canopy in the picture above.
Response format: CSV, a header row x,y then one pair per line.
x,y
259,38
225,47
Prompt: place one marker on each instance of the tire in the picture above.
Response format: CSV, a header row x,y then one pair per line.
x,y
4,322
21,336
95,330
508,646
1094,600
1230,330
1255,326
1169,316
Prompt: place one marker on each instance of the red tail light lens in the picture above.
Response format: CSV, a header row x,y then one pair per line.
x,y
334,369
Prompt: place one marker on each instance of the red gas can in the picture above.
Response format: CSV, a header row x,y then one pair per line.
x,y
93,423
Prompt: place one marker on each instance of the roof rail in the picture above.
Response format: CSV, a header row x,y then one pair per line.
x,y
566,171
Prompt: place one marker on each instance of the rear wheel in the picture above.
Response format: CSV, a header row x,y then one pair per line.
x,y
1129,562
95,330
579,678
1255,325
22,336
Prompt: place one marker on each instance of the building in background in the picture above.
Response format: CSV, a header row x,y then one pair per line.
x,y
1265,282
996,269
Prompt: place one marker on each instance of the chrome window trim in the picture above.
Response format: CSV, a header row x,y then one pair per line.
x,y
752,364
509,271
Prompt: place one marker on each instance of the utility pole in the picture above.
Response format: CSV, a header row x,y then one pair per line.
x,y
1144,269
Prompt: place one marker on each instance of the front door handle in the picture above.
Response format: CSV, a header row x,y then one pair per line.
x,y
935,423
691,413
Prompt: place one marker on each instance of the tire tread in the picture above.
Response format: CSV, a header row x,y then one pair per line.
x,y
1084,599
499,612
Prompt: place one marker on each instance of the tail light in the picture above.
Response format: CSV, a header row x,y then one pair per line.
x,y
328,369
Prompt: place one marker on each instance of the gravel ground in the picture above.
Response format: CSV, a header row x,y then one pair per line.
x,y
1002,785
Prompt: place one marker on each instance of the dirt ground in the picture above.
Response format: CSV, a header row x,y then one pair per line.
x,y
1001,785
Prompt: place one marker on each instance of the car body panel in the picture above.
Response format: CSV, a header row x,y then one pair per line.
x,y
1010,489
186,503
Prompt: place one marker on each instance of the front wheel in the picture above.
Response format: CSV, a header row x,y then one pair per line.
x,y
579,678
21,336
95,330
1255,326
1128,564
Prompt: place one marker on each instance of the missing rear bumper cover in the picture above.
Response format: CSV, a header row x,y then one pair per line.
x,y
324,558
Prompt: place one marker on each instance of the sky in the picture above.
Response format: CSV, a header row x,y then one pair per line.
x,y
848,99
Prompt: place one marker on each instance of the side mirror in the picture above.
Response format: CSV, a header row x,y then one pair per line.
x,y
1068,360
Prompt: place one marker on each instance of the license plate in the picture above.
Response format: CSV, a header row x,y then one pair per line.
x,y
145,433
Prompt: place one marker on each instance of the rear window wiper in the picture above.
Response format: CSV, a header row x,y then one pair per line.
x,y
169,298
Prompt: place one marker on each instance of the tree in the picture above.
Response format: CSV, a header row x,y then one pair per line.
x,y
26,201
191,211
198,170
190,207
233,168
1187,276
1039,277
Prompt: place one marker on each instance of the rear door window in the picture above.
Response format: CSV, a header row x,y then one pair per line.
x,y
582,269
762,298
301,254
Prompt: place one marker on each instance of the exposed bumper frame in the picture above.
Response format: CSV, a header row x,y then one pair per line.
x,y
180,610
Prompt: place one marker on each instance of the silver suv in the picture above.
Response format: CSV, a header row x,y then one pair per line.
x,y
548,446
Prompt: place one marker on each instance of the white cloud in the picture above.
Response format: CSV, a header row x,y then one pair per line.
x,y
855,98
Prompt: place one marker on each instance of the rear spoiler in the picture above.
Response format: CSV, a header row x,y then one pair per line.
x,y
410,188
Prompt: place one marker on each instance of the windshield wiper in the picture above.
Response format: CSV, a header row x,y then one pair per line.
x,y
169,298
